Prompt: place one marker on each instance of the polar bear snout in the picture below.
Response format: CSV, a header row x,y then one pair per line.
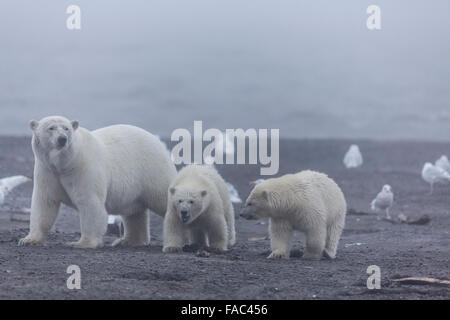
x,y
62,140
248,213
248,216
188,205
185,215
184,210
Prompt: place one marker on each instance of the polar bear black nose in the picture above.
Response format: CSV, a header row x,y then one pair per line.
x,y
184,212
62,141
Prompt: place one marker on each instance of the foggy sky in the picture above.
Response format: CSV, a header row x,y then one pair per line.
x,y
309,68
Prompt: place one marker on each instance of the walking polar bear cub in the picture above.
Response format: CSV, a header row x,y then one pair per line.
x,y
199,207
307,201
119,169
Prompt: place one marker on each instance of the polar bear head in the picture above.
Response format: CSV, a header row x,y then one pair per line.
x,y
53,133
188,203
264,200
256,206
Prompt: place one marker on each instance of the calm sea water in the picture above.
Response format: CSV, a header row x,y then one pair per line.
x,y
309,68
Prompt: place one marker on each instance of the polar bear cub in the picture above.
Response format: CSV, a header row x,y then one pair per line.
x,y
119,169
199,207
308,201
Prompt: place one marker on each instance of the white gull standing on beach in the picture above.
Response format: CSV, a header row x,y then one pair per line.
x,y
434,174
443,163
8,184
383,201
353,157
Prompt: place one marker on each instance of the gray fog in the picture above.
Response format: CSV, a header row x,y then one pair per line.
x,y
310,68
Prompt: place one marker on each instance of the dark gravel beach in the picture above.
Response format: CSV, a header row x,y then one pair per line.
x,y
399,249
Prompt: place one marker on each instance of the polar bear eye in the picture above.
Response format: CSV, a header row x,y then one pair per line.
x,y
249,204
52,128
65,128
180,201
191,201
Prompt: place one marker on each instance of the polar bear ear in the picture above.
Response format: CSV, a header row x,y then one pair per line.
x,y
203,193
34,124
172,190
268,196
75,124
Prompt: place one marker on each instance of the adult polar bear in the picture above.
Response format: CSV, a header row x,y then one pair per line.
x,y
119,169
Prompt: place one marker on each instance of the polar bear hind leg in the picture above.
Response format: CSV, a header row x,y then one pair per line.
x,y
315,242
334,231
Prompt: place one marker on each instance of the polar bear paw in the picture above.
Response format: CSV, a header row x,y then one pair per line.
x,y
172,249
278,255
86,244
127,242
30,241
329,255
120,242
312,256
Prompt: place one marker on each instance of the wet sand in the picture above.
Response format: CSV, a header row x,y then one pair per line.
x,y
400,250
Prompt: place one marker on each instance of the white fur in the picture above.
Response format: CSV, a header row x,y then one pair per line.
x,y
307,201
119,169
202,193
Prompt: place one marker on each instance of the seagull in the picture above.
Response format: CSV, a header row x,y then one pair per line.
x,y
256,182
434,174
383,201
234,195
443,163
8,184
353,157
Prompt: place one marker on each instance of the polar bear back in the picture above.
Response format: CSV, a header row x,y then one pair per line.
x,y
317,190
308,192
139,167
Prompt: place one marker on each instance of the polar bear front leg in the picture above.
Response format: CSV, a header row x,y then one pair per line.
x,y
218,233
173,233
93,222
280,232
229,218
136,230
43,215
